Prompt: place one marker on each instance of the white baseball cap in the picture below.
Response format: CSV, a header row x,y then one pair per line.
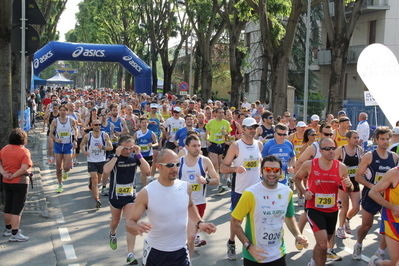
x,y
154,105
301,124
395,130
176,109
249,121
315,118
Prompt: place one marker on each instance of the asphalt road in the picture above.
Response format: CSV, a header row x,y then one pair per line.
x,y
77,234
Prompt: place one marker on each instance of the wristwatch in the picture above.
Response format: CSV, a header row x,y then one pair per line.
x,y
208,179
116,156
198,223
247,245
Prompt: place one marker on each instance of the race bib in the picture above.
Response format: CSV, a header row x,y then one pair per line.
x,y
324,200
145,148
146,251
195,187
352,170
231,138
218,137
270,236
378,177
175,129
64,134
124,190
114,139
251,164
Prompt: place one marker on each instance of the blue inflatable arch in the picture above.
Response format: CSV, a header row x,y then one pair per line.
x,y
55,51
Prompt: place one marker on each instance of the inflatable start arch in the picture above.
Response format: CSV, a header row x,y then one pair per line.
x,y
55,51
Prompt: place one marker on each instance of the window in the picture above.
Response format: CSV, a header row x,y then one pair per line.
x,y
372,31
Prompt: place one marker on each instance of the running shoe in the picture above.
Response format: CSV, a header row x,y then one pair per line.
x,y
357,252
60,188
131,260
347,227
7,232
64,175
339,204
231,251
90,184
198,242
379,254
373,260
113,243
98,204
332,256
340,233
104,192
298,245
228,183
221,189
50,160
71,166
19,237
77,162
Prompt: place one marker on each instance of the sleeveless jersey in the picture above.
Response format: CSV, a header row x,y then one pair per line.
x,y
297,142
51,118
249,156
95,154
122,177
106,129
290,131
339,139
165,116
234,131
352,162
391,195
131,124
155,128
189,174
377,169
162,235
117,125
64,131
142,140
317,147
267,133
324,186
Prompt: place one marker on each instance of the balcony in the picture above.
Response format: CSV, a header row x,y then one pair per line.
x,y
324,56
368,6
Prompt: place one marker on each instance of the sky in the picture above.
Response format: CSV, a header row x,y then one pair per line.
x,y
68,20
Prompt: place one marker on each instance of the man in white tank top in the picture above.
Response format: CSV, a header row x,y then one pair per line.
x,y
94,145
166,235
243,158
193,169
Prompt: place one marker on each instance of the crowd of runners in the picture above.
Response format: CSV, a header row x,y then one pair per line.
x,y
181,145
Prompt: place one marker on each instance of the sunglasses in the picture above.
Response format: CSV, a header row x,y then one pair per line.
x,y
170,165
128,148
328,148
287,116
252,127
270,169
270,117
327,134
96,125
312,135
281,134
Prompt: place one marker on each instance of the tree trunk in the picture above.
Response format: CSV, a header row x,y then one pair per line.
x,y
120,77
236,59
5,71
167,79
264,95
279,84
206,79
339,58
16,88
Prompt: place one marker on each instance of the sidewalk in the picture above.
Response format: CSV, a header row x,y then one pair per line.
x,y
35,222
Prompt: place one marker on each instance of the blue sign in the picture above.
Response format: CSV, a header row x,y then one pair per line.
x,y
55,51
26,119
183,86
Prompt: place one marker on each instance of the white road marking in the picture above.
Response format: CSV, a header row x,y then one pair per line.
x,y
64,234
69,252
